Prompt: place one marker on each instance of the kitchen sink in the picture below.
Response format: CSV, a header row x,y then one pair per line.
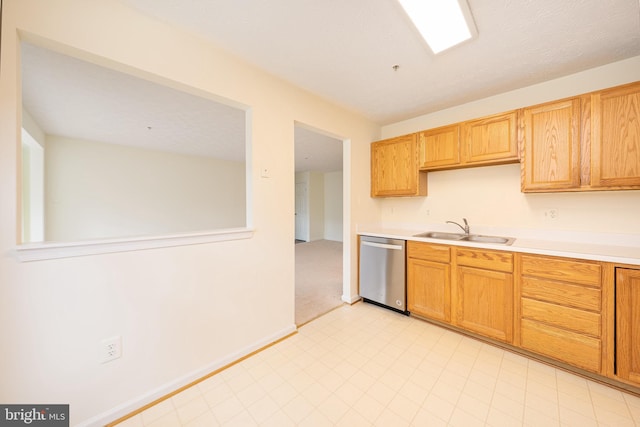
x,y
441,235
489,239
466,237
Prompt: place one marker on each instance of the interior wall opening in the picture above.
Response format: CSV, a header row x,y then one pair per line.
x,y
319,223
128,154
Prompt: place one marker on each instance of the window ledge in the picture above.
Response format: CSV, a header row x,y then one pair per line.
x,y
54,250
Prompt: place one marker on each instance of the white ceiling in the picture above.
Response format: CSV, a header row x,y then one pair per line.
x,y
74,98
316,152
345,50
342,50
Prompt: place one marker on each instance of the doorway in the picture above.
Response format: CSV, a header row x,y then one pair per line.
x,y
302,212
319,219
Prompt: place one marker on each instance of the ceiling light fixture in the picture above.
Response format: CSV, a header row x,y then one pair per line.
x,y
443,24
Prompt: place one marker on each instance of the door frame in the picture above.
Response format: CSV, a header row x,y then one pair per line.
x,y
346,210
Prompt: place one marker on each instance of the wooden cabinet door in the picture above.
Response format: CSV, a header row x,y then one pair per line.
x,y
394,168
628,325
440,147
615,137
429,289
484,302
490,140
551,139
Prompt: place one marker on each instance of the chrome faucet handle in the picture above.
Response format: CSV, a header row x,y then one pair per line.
x,y
466,225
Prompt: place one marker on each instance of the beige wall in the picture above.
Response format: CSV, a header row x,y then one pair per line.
x,y
316,205
325,204
182,310
490,196
179,310
97,190
333,206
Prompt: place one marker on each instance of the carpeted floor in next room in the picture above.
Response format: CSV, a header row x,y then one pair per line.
x,y
318,278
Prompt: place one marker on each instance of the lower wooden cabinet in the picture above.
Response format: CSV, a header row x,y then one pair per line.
x,y
565,309
483,293
429,280
484,302
560,310
628,325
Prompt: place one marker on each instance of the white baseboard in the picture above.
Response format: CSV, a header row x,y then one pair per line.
x,y
350,299
153,395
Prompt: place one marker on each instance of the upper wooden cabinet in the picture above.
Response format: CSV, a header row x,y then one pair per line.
x,y
551,141
615,137
394,168
490,140
590,142
585,143
440,147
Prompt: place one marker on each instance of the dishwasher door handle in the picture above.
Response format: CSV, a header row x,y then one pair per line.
x,y
381,245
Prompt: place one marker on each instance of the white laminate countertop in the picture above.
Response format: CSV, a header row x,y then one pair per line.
x,y
592,246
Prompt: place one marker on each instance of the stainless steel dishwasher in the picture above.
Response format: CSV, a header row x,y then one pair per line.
x,y
382,272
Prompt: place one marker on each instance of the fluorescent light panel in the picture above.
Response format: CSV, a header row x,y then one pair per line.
x,y
442,23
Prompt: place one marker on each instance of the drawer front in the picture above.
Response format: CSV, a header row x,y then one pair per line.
x,y
567,270
580,321
429,252
576,349
490,260
576,296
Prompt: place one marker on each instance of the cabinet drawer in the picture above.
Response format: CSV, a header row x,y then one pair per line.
x,y
567,294
429,252
576,349
490,260
580,321
585,273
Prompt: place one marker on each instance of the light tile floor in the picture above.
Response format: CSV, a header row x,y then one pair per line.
x,y
362,365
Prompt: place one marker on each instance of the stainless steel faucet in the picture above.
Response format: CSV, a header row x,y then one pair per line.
x,y
466,225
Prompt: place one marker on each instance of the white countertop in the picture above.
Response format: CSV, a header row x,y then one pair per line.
x,y
618,249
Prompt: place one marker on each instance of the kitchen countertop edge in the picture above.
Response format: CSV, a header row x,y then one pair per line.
x,y
629,255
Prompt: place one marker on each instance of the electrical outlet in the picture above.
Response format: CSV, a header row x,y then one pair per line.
x,y
551,214
110,349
